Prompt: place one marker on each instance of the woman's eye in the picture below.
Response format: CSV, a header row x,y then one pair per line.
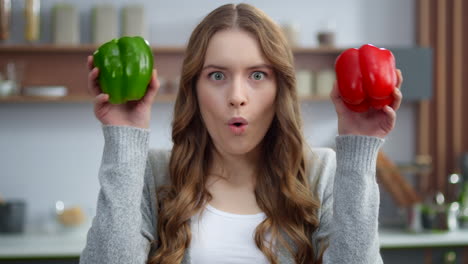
x,y
217,76
258,75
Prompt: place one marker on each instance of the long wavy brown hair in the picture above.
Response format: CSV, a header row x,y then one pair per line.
x,y
282,190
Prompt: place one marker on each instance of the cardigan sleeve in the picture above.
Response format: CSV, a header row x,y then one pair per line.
x,y
349,202
123,228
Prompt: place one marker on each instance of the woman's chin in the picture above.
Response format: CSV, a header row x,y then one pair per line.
x,y
238,149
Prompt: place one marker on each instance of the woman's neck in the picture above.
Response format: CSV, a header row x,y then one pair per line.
x,y
231,183
236,170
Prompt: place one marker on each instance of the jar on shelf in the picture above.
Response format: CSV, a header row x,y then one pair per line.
x,y
304,83
105,23
66,24
324,80
5,13
32,19
326,35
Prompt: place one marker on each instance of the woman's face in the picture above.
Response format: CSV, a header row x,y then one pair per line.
x,y
236,82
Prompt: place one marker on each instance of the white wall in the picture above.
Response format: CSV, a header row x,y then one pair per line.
x,y
52,152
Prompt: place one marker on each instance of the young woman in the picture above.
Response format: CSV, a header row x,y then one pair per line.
x,y
240,184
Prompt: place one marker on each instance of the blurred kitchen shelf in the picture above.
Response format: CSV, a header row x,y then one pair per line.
x,y
89,48
43,99
318,50
65,65
164,98
66,99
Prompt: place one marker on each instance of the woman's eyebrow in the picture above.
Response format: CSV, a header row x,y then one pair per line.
x,y
264,65
214,66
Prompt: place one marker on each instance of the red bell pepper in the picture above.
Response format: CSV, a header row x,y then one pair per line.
x,y
366,77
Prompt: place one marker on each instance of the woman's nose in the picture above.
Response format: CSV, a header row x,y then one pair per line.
x,y
238,94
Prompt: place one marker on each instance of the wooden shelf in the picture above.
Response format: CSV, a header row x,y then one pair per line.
x,y
67,99
89,48
163,98
85,48
318,50
44,99
65,65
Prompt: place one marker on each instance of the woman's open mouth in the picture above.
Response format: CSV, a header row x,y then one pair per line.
x,y
237,125
238,128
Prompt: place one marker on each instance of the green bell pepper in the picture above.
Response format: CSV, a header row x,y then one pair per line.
x,y
125,68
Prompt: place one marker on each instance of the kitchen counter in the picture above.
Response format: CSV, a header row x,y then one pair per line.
x,y
397,238
70,244
43,245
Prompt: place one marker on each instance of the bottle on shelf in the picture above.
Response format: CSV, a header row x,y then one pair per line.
x,y
463,200
32,20
5,13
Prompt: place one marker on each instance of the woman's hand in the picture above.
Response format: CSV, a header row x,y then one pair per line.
x,y
377,123
132,113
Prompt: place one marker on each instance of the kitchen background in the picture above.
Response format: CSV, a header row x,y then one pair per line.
x,y
52,151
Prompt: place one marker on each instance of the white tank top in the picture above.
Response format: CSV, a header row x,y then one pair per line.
x,y
220,237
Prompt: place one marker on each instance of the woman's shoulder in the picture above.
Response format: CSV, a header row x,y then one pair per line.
x,y
321,160
160,155
158,159
322,155
321,169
